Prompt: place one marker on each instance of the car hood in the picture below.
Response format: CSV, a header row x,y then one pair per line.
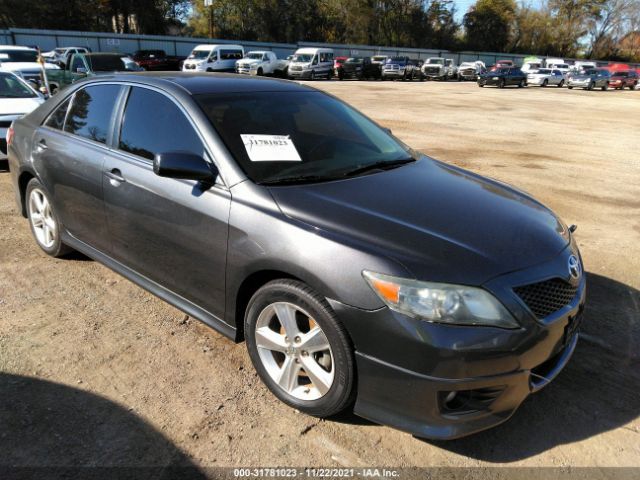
x,y
249,61
18,105
441,222
581,77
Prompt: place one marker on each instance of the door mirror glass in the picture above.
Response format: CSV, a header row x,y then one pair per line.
x,y
184,165
81,70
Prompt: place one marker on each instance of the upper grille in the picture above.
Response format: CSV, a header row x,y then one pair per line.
x,y
544,298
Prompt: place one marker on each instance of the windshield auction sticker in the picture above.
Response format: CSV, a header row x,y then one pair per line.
x,y
270,148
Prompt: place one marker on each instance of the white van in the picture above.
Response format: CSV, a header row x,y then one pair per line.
x,y
213,58
312,63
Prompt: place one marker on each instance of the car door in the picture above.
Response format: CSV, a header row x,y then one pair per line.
x,y
173,232
69,152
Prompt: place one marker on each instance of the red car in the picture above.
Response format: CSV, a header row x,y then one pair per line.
x,y
157,60
337,64
624,79
502,64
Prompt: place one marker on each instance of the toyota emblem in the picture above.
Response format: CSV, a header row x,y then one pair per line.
x,y
575,270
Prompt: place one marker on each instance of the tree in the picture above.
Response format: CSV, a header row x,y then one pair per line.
x,y
488,25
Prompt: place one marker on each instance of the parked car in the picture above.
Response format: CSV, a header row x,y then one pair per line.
x,y
60,56
501,64
531,64
213,58
84,65
379,60
261,62
312,64
545,77
23,61
471,70
590,79
503,77
360,68
157,60
17,98
402,68
565,68
337,65
622,80
438,68
307,238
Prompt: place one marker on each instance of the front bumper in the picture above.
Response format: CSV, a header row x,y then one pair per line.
x,y
393,73
302,74
408,380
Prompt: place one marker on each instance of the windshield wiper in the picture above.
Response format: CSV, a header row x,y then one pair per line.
x,y
388,165
296,179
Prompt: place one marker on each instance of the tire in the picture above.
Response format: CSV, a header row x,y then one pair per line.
x,y
44,222
312,76
591,85
522,84
209,70
570,87
605,87
332,367
545,83
502,83
260,72
480,84
561,84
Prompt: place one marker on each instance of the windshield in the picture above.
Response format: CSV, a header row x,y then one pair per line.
x,y
106,63
21,55
11,87
199,54
303,58
355,60
544,70
379,58
439,61
254,55
329,138
60,50
396,59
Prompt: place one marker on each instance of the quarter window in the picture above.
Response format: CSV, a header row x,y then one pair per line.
x,y
90,112
77,63
153,124
56,119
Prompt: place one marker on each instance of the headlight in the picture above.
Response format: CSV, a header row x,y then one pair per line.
x,y
495,78
440,302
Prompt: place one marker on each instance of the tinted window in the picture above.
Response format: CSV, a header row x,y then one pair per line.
x,y
11,87
21,55
56,119
90,112
329,137
106,63
77,63
230,54
154,124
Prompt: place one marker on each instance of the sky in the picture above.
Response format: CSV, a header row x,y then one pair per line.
x,y
462,6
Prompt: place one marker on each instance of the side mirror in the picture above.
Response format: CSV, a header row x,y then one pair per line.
x,y
184,165
81,70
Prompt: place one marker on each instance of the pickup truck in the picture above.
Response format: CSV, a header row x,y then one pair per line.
x,y
157,60
439,68
261,62
402,68
83,65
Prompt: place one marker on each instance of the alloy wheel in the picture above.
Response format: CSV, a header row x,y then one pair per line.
x,y
42,220
294,351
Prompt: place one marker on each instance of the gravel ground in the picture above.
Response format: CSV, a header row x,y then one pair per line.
x,y
95,371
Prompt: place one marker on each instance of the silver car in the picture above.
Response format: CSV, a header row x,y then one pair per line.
x,y
545,77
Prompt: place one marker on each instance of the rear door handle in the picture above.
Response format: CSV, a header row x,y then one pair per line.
x,y
115,174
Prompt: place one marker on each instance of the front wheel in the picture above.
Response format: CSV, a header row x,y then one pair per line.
x,y
43,220
312,76
570,87
605,87
591,85
522,84
299,348
561,84
545,83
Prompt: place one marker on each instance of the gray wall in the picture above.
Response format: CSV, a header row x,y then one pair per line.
x,y
128,43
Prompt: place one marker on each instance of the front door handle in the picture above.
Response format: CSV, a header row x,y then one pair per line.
x,y
115,175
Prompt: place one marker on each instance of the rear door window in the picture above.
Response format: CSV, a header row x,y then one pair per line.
x,y
91,111
56,119
152,124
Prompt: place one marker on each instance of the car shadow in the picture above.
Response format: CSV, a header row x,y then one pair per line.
x,y
597,391
4,165
61,431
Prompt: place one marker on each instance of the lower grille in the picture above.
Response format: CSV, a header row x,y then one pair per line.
x,y
544,298
466,402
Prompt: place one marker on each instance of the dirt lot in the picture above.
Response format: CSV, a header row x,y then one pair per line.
x,y
95,371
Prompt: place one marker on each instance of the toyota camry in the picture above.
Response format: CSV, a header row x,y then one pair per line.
x,y
360,273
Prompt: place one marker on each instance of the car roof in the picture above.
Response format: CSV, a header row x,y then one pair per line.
x,y
203,82
15,47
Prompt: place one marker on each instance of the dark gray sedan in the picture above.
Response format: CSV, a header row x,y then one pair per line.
x,y
356,269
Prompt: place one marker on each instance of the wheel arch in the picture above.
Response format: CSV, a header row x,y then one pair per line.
x,y
23,180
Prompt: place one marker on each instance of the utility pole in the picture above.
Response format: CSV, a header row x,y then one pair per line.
x,y
209,4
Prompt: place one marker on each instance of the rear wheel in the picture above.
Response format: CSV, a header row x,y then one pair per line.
x,y
605,87
312,75
545,82
43,220
523,83
561,84
299,348
633,87
570,87
260,72
591,85
502,83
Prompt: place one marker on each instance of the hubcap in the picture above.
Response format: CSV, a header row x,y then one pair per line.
x,y
294,351
42,220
